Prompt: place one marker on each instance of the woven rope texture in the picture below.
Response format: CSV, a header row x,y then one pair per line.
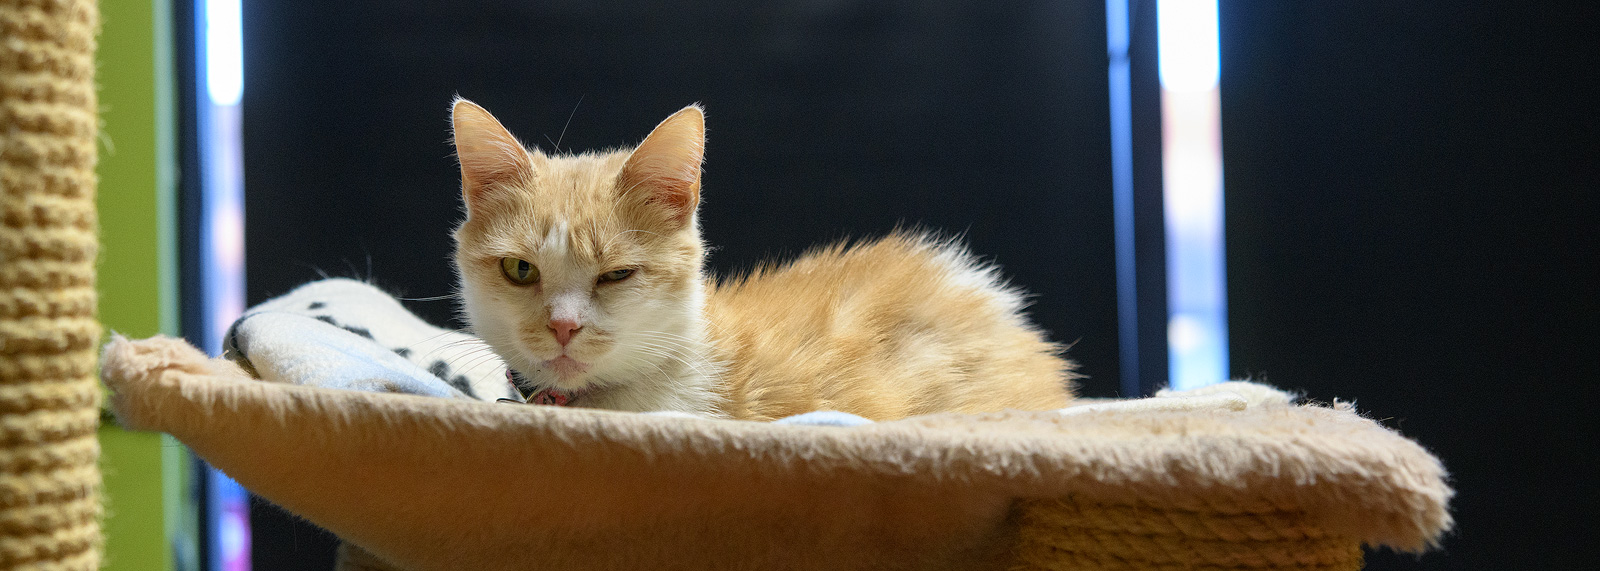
x,y
49,399
1070,534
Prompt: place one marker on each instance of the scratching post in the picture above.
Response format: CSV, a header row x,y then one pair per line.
x,y
49,399
1216,529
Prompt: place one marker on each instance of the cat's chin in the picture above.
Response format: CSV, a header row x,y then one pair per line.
x,y
569,372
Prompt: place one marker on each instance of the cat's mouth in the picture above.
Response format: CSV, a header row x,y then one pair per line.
x,y
566,368
565,371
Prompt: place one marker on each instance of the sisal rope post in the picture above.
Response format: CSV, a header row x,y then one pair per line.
x,y
1073,533
49,397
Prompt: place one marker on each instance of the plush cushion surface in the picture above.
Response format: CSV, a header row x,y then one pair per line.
x,y
452,483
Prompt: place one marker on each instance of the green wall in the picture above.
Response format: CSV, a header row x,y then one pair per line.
x,y
146,474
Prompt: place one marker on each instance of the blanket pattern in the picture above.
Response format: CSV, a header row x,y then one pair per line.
x,y
347,334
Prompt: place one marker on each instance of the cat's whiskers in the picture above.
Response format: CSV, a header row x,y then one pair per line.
x,y
433,337
689,343
665,352
493,372
473,355
487,357
668,358
563,134
644,374
455,369
456,295
667,334
477,381
442,334
474,384
450,347
464,342
611,222
680,349
450,351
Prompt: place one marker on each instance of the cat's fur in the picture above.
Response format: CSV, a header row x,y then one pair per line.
x,y
887,328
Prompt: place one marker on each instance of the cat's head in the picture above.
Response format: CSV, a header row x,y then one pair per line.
x,y
581,271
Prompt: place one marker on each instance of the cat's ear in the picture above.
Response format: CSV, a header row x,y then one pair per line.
x,y
488,153
665,170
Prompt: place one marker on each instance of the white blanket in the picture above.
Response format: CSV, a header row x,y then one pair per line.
x,y
345,334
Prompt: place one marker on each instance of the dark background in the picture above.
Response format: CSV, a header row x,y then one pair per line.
x,y
1406,184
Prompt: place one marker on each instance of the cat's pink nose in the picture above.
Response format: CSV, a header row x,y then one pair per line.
x,y
563,329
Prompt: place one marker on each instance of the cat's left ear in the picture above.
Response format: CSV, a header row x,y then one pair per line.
x,y
665,169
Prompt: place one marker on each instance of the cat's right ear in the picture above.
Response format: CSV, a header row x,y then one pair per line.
x,y
489,155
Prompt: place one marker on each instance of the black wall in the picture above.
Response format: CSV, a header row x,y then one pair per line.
x,y
1405,185
1411,226
826,120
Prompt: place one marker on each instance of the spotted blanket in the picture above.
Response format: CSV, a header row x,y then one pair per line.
x,y
346,334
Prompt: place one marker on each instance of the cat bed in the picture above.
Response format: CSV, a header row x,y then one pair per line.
x,y
1229,477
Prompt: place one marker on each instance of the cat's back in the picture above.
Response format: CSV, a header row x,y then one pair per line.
x,y
888,328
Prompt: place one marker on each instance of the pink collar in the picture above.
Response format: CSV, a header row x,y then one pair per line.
x,y
554,397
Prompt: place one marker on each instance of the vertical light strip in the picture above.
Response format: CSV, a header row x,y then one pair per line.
x,y
1121,91
221,61
224,51
1191,168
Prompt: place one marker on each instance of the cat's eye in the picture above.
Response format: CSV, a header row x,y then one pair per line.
x,y
616,275
520,272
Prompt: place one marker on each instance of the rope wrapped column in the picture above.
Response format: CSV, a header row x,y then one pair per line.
x,y
49,398
1210,533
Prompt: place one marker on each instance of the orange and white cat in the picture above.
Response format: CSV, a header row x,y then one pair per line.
x,y
585,273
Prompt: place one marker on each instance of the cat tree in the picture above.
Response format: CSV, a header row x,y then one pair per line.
x,y
1232,477
49,400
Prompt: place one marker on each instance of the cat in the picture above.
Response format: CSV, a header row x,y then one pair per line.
x,y
585,273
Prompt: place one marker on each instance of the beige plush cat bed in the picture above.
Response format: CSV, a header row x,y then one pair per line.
x,y
1232,478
